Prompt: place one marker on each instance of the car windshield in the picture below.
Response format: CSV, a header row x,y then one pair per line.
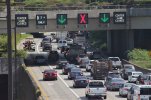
x,y
145,91
80,77
96,84
137,73
128,67
75,70
114,75
46,39
114,59
118,80
128,85
40,57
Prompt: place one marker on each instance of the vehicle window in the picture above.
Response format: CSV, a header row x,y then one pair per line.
x,y
128,85
75,70
39,57
137,73
114,59
64,41
117,80
96,84
145,91
129,73
128,67
60,41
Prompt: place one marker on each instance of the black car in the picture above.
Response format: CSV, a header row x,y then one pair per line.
x,y
68,68
46,39
80,82
74,72
47,46
39,59
53,57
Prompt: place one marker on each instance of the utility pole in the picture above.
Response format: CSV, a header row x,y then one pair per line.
x,y
9,50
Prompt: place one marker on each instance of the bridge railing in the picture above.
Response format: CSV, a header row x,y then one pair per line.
x,y
52,8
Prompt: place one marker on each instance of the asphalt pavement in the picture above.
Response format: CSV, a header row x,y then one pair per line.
x,y
62,89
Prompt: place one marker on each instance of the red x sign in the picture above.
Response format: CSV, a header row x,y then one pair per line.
x,y
83,18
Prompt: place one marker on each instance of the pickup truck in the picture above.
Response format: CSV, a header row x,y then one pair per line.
x,y
95,88
115,62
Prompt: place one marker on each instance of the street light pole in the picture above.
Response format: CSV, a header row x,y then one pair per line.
x,y
9,50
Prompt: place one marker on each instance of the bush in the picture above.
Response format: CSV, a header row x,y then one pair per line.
x,y
35,3
21,53
139,54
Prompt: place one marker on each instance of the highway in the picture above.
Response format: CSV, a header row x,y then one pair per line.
x,y
61,89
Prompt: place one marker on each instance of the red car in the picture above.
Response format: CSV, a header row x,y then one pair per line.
x,y
50,74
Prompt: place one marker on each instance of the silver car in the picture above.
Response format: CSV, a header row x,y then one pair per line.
x,y
114,83
123,91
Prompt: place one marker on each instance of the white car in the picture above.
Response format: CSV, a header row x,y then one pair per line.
x,y
139,92
125,88
69,41
132,76
89,65
62,43
95,88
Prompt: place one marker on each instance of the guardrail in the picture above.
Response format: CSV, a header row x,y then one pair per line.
x,y
138,68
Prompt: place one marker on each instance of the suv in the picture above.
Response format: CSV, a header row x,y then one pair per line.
x,y
95,89
127,68
132,76
139,92
47,46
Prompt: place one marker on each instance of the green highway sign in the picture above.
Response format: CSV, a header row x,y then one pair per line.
x,y
61,19
104,18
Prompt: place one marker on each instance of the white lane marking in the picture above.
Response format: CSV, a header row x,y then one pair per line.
x,y
67,85
50,84
37,47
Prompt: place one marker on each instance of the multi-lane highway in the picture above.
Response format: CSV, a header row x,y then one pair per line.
x,y
61,89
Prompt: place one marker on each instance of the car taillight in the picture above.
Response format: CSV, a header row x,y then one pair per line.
x,y
139,97
54,74
142,81
45,74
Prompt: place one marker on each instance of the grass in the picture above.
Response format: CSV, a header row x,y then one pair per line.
x,y
143,64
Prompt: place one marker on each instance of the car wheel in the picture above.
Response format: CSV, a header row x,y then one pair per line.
x,y
105,97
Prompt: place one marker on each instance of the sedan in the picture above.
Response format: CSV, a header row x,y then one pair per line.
x,y
114,83
80,82
73,74
123,91
67,68
50,74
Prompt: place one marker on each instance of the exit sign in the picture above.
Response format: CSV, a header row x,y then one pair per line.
x,y
83,18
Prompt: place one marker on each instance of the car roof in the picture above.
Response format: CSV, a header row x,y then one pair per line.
x,y
144,86
136,72
49,70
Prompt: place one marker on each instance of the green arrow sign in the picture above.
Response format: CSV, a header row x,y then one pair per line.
x,y
104,17
61,19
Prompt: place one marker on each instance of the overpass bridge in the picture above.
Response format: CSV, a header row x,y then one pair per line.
x,y
120,37
136,18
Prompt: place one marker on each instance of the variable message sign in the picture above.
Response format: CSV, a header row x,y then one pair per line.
x,y
119,17
21,20
41,19
104,17
83,18
61,19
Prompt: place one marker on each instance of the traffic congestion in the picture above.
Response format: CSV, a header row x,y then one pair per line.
x,y
71,57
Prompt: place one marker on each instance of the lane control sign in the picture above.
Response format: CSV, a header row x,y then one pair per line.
x,y
119,17
61,19
83,18
21,20
41,19
104,17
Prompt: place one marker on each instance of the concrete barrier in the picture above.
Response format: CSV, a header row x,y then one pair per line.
x,y
138,68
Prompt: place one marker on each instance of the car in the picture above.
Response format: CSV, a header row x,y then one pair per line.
x,y
53,56
116,62
46,39
89,65
74,72
127,68
62,43
114,83
39,59
47,46
62,62
69,41
80,82
49,74
84,61
139,92
124,89
67,68
95,88
113,75
132,76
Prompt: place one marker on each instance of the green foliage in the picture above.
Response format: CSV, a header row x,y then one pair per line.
x,y
138,55
35,3
3,42
21,53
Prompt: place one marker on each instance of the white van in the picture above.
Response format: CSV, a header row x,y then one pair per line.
x,y
139,92
148,80
132,76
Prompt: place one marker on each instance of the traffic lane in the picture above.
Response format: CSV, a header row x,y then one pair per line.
x,y
55,90
111,95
